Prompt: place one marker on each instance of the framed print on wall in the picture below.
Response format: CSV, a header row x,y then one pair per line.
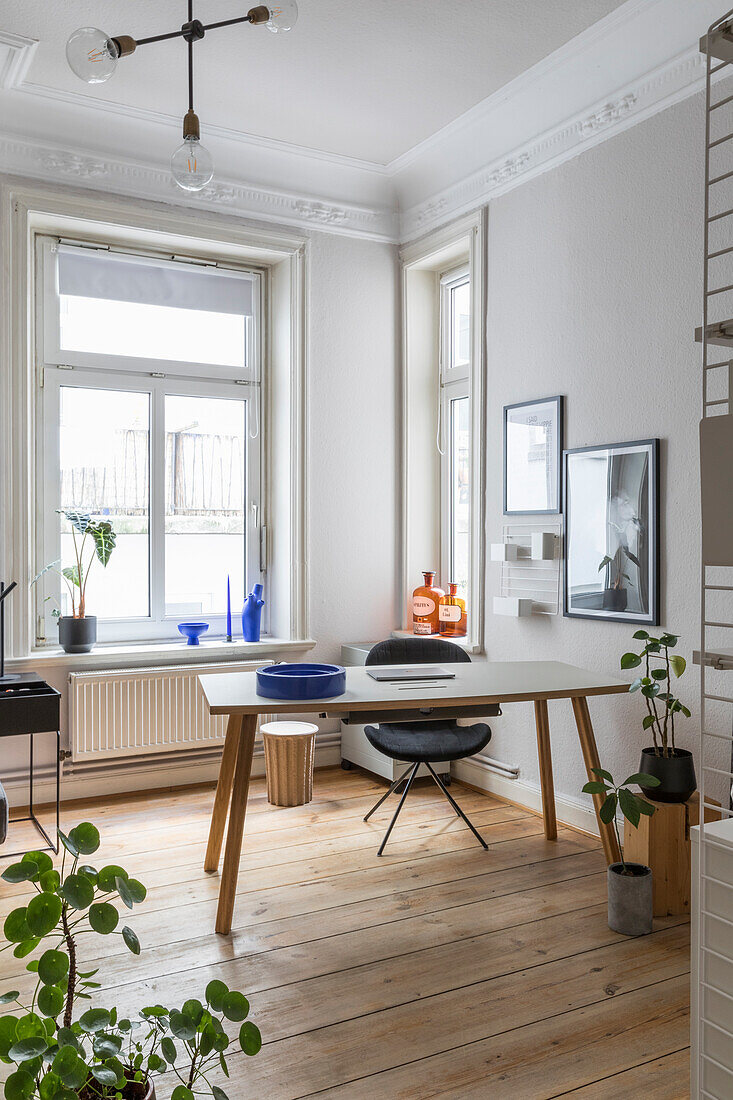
x,y
611,504
533,432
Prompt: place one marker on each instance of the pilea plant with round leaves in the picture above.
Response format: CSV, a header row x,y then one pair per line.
x,y
655,684
100,1054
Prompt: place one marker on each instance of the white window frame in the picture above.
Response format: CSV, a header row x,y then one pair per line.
x,y
462,242
157,378
455,383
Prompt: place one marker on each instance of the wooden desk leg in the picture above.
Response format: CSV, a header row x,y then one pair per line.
x,y
611,849
544,751
223,793
240,789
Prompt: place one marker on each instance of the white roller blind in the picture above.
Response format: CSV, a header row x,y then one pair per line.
x,y
87,273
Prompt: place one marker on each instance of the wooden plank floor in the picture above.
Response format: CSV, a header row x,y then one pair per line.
x,y
439,970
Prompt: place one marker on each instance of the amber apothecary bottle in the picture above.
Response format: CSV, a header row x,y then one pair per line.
x,y
425,602
452,614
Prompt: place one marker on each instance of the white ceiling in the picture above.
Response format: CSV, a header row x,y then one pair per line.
x,y
362,80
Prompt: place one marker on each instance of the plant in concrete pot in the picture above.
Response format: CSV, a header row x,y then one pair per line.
x,y
93,540
630,902
61,1053
673,767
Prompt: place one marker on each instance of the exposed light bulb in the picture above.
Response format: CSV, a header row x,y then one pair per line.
x,y
92,55
192,165
283,16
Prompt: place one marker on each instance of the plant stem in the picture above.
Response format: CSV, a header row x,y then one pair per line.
x,y
669,692
71,948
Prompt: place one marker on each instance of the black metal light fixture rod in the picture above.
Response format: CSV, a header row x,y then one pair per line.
x,y
182,32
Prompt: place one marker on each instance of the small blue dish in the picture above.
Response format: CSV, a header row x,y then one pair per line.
x,y
302,681
192,631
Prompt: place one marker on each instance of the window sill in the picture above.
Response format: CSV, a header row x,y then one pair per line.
x,y
215,651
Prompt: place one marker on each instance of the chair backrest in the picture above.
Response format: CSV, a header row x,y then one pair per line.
x,y
416,651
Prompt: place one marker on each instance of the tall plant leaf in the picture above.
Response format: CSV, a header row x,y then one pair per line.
x,y
105,539
78,520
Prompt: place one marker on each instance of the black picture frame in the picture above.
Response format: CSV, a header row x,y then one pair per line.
x,y
557,403
585,605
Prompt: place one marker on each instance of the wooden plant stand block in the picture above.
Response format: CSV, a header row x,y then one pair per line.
x,y
289,756
662,842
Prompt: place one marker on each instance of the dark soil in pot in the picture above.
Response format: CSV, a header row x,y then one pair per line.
x,y
133,1090
676,775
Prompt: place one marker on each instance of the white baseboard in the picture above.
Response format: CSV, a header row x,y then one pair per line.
x,y
569,811
124,777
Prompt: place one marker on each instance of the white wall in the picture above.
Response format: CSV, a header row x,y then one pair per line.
x,y
353,410
594,289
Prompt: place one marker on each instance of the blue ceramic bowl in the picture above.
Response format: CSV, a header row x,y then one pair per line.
x,y
192,631
302,681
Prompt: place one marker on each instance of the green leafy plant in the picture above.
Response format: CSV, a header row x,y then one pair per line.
x,y
103,540
60,1054
616,563
630,804
656,687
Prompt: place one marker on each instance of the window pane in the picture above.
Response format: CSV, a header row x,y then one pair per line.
x,y
459,419
152,331
205,455
461,324
104,438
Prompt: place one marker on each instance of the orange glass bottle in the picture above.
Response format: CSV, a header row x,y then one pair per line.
x,y
452,614
425,601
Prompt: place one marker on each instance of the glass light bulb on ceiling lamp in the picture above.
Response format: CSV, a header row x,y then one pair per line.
x,y
192,165
92,55
283,16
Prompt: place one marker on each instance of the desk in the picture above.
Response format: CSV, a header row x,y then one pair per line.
x,y
478,685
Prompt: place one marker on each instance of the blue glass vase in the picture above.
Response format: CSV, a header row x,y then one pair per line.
x,y
252,614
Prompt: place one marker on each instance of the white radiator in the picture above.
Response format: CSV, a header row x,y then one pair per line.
x,y
132,712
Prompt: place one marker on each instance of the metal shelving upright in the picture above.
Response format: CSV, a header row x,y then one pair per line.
x,y
712,962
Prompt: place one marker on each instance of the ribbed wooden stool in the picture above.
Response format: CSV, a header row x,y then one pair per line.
x,y
289,755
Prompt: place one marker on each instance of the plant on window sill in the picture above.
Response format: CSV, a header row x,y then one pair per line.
x,y
76,576
101,1055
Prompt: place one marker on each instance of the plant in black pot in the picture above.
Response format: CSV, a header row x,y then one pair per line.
x,y
93,540
630,901
673,767
59,1044
615,596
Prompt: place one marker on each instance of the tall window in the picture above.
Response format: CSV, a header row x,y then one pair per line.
x,y
150,419
455,423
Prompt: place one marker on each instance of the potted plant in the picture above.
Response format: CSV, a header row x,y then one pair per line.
x,y
60,1053
615,596
78,631
673,767
630,901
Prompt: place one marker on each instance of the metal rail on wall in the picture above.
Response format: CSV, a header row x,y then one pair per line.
x,y
712,963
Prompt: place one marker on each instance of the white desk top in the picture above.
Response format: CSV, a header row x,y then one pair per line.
x,y
477,683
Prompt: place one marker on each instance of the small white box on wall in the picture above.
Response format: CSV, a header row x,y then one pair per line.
x,y
543,545
512,605
503,551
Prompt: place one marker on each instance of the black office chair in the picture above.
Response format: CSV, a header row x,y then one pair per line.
x,y
422,742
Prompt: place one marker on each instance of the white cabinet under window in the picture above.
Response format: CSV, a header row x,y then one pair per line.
x,y
149,416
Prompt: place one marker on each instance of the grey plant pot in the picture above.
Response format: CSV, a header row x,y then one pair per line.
x,y
630,907
77,635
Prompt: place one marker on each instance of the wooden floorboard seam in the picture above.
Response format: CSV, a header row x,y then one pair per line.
x,y
611,1076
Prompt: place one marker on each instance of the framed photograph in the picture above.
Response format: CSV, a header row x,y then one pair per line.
x,y
611,504
533,437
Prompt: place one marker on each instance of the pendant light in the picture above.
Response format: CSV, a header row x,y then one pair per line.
x,y
93,56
